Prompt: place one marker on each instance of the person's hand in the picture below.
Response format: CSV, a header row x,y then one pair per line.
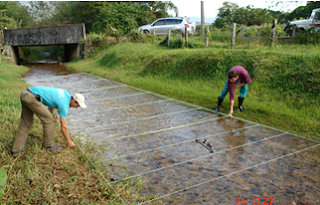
x,y
71,144
230,113
54,117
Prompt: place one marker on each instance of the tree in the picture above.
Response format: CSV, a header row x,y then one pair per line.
x,y
14,15
42,12
231,13
120,15
159,8
225,15
5,20
302,11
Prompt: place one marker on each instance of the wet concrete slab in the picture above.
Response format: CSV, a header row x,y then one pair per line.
x,y
282,181
210,166
185,154
175,137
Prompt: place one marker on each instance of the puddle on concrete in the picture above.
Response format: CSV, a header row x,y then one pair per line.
x,y
150,138
38,71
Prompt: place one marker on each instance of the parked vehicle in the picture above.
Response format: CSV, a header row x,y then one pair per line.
x,y
161,26
298,26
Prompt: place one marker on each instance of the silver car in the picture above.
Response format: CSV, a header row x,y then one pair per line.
x,y
161,26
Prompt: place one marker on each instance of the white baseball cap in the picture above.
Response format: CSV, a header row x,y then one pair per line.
x,y
80,99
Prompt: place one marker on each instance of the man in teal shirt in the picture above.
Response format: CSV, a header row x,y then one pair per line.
x,y
34,101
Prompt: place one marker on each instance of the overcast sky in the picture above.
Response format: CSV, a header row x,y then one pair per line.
x,y
192,7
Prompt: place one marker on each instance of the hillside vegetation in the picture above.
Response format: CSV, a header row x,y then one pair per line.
x,y
284,92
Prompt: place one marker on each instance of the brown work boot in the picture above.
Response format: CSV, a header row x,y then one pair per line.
x,y
15,154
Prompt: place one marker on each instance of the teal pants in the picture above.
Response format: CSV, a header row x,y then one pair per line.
x,y
243,91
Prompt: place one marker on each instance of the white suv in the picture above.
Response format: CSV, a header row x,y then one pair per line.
x,y
313,21
161,26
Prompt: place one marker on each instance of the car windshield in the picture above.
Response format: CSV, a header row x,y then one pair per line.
x,y
317,16
189,22
312,15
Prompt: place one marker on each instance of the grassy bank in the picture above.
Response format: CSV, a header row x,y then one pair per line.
x,y
284,93
39,177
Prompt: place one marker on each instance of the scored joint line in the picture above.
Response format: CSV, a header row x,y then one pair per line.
x,y
207,155
81,82
102,88
59,77
161,130
84,81
123,107
129,121
174,144
121,96
247,168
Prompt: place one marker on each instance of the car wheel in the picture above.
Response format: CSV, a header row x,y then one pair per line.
x,y
289,30
146,32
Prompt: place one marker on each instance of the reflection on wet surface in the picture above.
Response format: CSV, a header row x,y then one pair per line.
x,y
154,139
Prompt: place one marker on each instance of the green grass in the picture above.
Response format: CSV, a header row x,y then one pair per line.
x,y
284,93
36,176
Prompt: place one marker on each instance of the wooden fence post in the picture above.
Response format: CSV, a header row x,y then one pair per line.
x,y
141,36
274,33
242,32
169,34
233,36
207,37
186,35
154,36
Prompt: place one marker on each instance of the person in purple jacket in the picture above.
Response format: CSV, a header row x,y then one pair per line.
x,y
236,74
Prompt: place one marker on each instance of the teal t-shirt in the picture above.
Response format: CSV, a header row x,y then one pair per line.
x,y
55,98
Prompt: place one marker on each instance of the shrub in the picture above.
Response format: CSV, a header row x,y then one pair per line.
x,y
222,36
177,43
310,36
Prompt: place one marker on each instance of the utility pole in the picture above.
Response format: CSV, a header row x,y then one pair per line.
x,y
202,19
274,32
